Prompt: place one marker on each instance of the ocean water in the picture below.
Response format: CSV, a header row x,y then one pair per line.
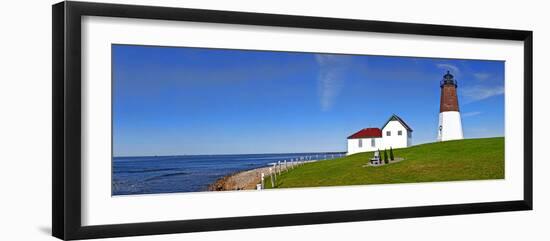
x,y
190,173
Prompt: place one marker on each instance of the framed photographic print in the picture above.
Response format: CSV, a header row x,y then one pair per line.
x,y
170,120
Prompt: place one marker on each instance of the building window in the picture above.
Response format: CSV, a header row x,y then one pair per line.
x,y
388,133
399,133
360,142
372,142
409,134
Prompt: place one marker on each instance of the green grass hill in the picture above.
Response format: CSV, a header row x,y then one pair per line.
x,y
469,159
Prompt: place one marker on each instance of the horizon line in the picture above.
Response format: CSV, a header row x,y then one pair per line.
x,y
275,153
227,154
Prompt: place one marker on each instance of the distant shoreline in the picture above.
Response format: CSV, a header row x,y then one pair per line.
x,y
239,154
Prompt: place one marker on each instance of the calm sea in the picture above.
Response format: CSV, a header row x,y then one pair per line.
x,y
192,173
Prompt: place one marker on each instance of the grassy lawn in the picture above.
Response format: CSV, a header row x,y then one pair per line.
x,y
470,159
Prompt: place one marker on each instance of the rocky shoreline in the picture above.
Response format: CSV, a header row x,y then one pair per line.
x,y
245,180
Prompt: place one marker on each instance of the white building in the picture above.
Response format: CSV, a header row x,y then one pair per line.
x,y
395,134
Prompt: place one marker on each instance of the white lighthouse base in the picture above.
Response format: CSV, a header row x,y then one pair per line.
x,y
450,126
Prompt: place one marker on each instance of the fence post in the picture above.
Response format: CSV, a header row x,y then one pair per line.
x,y
263,181
273,179
272,176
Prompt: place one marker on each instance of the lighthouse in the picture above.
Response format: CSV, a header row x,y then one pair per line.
x,y
450,124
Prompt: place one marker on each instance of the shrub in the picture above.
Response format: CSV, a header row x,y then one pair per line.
x,y
386,156
391,154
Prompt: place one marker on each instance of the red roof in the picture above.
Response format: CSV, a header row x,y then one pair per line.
x,y
367,133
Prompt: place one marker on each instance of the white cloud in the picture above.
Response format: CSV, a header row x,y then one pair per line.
x,y
454,70
473,113
477,93
482,76
331,79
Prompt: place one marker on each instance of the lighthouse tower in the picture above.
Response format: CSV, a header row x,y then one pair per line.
x,y
450,124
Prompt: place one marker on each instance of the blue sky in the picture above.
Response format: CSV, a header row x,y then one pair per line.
x,y
173,101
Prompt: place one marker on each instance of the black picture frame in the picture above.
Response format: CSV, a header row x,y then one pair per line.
x,y
66,159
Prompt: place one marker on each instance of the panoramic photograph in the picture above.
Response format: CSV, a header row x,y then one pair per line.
x,y
187,119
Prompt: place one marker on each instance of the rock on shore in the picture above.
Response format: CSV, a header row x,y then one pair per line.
x,y
245,180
